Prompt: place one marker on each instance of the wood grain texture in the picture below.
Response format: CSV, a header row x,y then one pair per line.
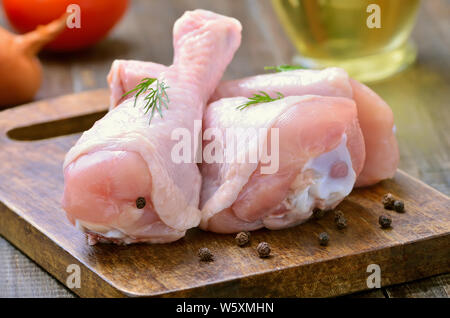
x,y
31,216
24,278
419,95
434,287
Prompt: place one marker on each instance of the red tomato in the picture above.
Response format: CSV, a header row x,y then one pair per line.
x,y
97,18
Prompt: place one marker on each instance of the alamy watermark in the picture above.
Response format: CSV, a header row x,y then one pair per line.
x,y
374,19
229,145
73,20
74,278
374,279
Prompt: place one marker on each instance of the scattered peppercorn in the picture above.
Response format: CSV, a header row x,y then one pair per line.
x,y
263,249
399,206
341,223
318,213
338,214
324,238
242,238
388,201
140,203
205,254
385,221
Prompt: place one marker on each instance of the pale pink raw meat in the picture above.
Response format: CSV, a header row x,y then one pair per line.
x,y
123,157
321,152
331,81
375,116
126,74
377,124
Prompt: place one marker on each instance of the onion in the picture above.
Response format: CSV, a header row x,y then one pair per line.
x,y
20,69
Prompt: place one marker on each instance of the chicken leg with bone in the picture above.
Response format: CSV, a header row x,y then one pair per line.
x,y
319,153
123,158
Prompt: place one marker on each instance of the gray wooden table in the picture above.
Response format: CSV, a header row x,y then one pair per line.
x,y
419,96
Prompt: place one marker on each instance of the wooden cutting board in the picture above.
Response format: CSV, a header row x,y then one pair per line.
x,y
33,141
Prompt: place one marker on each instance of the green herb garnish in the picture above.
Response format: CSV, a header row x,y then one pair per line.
x,y
263,97
283,68
155,99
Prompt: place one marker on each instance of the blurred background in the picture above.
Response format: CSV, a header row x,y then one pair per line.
x,y
417,87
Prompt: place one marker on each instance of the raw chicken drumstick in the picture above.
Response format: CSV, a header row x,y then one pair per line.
x,y
319,152
121,184
375,116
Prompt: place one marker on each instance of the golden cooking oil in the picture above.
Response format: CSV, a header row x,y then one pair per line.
x,y
369,38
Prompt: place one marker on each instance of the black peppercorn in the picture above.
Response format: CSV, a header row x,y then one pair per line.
x,y
263,249
399,206
318,213
205,254
338,214
140,203
242,238
341,223
388,201
385,221
324,238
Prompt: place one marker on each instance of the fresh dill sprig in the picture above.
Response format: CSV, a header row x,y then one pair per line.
x,y
284,68
263,97
156,97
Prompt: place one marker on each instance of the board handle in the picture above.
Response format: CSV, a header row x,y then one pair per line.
x,y
54,117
